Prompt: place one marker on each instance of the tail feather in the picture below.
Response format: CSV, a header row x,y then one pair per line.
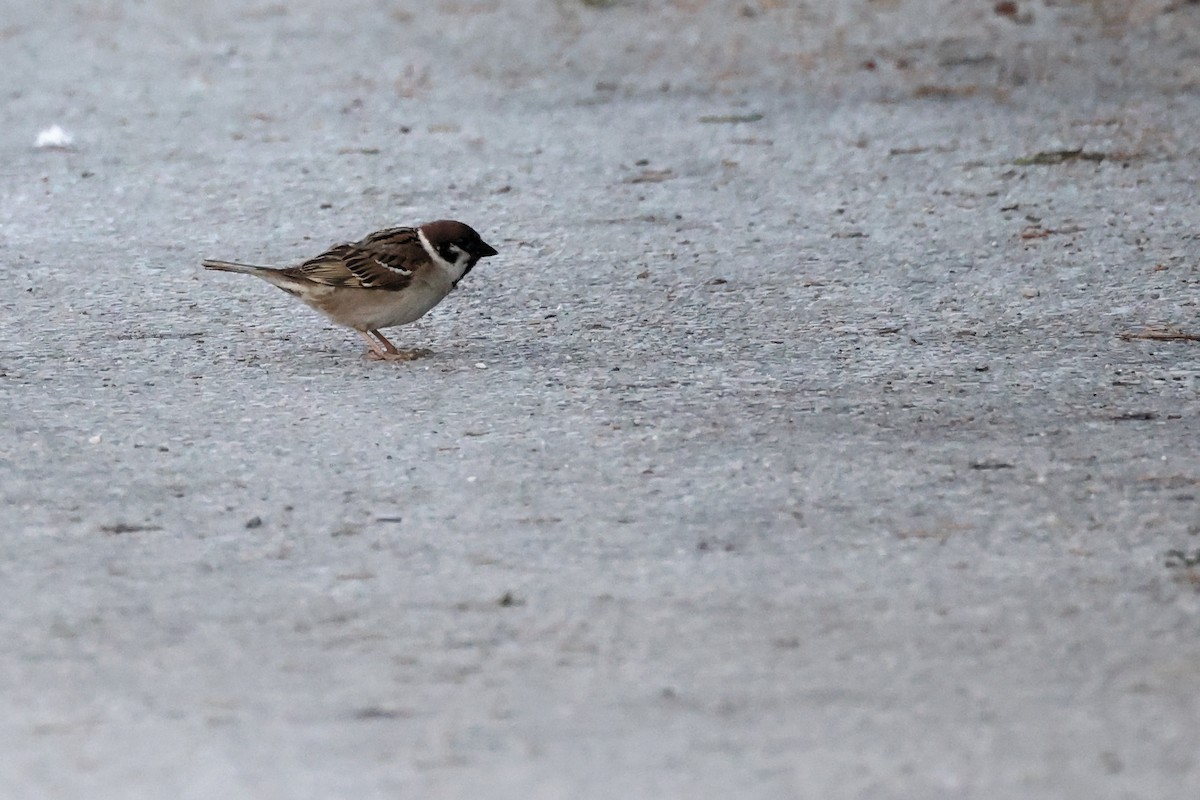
x,y
233,266
276,277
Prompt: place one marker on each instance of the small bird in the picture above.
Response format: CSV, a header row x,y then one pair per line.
x,y
390,277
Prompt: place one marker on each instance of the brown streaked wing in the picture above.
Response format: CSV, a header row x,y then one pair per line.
x,y
392,240
383,260
328,268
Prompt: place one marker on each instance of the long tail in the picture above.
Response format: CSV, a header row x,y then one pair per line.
x,y
233,266
276,277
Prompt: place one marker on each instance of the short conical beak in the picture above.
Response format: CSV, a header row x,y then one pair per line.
x,y
484,250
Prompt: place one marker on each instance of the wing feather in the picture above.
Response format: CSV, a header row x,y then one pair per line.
x,y
385,259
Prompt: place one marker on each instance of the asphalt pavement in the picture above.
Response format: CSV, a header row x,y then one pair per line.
x,y
826,427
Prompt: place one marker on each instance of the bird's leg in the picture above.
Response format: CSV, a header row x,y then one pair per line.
x,y
383,350
391,348
376,352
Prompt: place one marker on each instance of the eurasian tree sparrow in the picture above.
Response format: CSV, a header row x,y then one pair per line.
x,y
388,278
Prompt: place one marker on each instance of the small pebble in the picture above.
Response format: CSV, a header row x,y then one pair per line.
x,y
53,137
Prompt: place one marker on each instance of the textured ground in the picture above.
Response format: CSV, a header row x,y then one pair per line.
x,y
800,442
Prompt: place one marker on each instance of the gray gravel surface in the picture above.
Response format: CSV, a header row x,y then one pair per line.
x,y
800,442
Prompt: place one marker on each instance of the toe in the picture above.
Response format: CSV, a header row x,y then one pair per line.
x,y
408,355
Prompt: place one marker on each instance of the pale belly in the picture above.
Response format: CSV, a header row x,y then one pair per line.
x,y
372,309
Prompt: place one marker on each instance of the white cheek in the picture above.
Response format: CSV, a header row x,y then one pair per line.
x,y
459,265
453,270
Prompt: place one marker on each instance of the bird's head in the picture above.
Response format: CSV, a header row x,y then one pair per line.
x,y
456,243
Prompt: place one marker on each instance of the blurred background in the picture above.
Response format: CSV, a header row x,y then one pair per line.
x,y
396,51
300,85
